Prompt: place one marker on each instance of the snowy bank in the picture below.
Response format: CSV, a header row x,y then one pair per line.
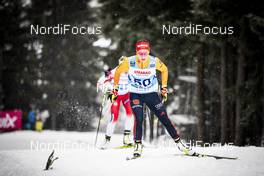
x,y
19,158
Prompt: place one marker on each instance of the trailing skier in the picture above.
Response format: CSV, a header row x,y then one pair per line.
x,y
105,83
143,88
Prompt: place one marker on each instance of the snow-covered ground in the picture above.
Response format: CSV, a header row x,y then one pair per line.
x,y
24,153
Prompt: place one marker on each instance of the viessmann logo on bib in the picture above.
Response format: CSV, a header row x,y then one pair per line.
x,y
142,72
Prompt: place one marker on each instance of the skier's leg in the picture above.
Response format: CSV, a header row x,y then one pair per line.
x,y
137,108
113,118
154,103
128,109
129,119
111,123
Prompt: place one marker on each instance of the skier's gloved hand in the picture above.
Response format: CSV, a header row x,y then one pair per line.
x,y
108,94
164,94
113,95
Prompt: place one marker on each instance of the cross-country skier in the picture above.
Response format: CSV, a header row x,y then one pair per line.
x,y
143,87
105,83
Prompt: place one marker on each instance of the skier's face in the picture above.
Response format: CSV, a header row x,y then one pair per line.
x,y
107,73
143,54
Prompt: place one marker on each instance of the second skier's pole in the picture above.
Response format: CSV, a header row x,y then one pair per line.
x,y
100,117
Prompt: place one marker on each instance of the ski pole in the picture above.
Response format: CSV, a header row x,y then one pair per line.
x,y
100,117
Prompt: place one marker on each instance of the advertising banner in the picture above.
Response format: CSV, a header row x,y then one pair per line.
x,y
10,120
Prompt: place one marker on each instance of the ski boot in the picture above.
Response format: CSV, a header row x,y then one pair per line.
x,y
126,139
138,149
184,148
106,143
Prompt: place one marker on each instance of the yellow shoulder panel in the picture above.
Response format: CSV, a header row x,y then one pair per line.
x,y
123,67
160,66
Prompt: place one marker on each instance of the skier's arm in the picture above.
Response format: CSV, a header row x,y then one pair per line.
x,y
100,83
123,67
160,66
104,84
